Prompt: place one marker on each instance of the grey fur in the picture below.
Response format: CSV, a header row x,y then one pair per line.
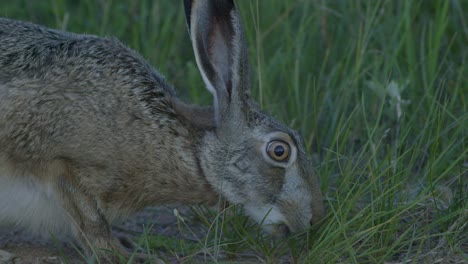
x,y
93,129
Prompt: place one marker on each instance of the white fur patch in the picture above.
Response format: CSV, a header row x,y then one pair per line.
x,y
5,256
32,206
268,215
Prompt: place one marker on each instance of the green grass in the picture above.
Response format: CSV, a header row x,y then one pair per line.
x,y
378,90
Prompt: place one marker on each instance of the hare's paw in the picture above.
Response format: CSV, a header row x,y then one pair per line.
x,y
5,256
135,251
127,243
122,256
146,258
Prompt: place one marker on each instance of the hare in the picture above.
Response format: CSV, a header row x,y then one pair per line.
x,y
90,133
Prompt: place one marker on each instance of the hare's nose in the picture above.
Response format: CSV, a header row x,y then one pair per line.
x,y
317,220
314,220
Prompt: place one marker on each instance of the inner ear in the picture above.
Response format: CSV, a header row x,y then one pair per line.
x,y
220,52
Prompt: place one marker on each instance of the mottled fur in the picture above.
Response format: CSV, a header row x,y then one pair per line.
x,y
90,132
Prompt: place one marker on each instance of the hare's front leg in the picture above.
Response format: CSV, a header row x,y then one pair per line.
x,y
89,225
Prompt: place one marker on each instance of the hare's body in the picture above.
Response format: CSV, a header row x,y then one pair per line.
x,y
104,107
69,109
90,132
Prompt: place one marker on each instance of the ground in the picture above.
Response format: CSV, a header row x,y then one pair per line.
x,y
29,249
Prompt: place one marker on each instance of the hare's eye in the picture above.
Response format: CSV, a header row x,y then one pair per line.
x,y
278,150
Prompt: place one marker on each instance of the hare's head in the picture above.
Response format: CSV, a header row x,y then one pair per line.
x,y
251,159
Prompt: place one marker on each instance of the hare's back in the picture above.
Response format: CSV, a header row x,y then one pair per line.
x,y
73,89
70,61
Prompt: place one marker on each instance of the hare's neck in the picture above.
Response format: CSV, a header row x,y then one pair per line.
x,y
168,170
181,176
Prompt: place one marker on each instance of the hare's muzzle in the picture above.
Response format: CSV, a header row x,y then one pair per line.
x,y
281,231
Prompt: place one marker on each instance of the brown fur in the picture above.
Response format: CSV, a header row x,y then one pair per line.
x,y
91,126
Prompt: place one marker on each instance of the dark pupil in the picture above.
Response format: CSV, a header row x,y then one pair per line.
x,y
279,151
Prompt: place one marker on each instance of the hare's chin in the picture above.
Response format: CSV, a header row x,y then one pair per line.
x,y
269,216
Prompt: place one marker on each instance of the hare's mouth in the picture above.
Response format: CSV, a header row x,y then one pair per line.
x,y
281,231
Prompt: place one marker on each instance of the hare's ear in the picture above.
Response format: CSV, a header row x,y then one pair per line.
x,y
217,37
